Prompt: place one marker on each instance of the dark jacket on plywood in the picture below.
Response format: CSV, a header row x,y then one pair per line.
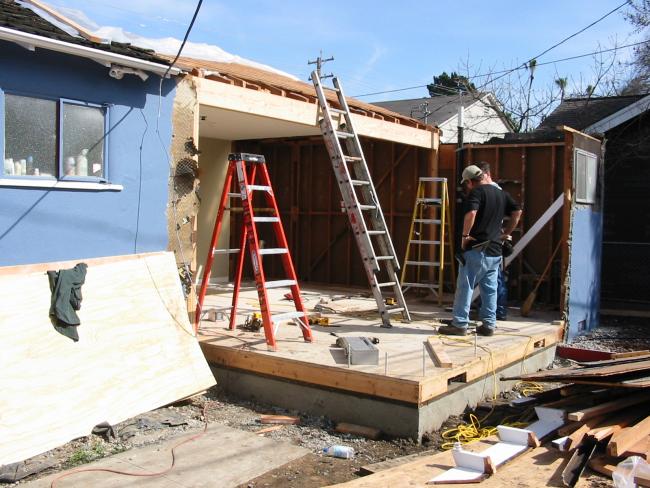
x,y
65,285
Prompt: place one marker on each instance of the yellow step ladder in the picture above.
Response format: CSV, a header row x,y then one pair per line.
x,y
429,249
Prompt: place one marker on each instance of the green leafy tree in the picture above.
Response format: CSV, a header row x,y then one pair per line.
x,y
448,84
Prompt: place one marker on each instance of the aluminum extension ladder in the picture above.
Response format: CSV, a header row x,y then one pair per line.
x,y
247,168
429,235
362,206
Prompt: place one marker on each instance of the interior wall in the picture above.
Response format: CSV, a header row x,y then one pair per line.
x,y
213,165
322,245
532,173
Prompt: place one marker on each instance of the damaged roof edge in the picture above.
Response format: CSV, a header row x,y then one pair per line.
x,y
104,57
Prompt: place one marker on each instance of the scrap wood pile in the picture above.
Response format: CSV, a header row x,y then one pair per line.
x,y
607,412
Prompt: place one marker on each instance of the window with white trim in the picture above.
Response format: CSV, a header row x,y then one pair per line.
x,y
54,138
585,176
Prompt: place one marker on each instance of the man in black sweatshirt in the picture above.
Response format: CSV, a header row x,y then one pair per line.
x,y
485,208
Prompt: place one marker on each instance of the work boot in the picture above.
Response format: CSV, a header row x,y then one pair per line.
x,y
452,330
485,330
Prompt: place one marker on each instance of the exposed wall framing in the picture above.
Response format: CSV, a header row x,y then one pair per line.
x,y
318,232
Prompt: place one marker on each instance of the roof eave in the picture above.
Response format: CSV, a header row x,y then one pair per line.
x,y
617,118
104,57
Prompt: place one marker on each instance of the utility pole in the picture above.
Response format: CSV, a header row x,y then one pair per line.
x,y
319,62
458,221
423,108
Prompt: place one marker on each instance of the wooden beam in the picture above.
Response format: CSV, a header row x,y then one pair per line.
x,y
436,348
626,438
361,430
608,407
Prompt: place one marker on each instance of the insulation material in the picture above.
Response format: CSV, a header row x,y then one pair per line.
x,y
136,352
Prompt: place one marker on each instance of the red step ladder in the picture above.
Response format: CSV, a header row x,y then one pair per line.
x,y
246,168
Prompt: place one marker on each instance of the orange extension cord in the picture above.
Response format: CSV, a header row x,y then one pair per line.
x,y
126,473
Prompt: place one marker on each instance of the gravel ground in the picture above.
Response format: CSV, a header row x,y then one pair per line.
x,y
617,334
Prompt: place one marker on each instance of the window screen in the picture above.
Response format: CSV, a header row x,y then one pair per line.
x,y
30,136
585,176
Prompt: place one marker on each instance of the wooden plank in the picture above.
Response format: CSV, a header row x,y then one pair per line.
x,y
579,354
626,438
641,449
608,407
602,464
630,354
266,430
437,350
534,229
279,419
642,479
136,352
361,430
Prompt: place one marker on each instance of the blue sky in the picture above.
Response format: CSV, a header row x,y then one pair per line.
x,y
383,45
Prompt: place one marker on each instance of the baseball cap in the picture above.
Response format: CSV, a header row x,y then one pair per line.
x,y
471,172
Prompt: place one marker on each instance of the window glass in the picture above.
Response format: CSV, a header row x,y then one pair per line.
x,y
30,136
83,141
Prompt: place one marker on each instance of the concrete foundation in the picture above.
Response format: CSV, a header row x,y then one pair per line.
x,y
397,419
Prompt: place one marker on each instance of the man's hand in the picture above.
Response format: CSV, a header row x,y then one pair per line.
x,y
466,242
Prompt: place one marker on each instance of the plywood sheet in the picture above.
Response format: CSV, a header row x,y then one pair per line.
x,y
136,352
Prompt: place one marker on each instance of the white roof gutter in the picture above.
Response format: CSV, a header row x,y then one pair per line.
x,y
104,57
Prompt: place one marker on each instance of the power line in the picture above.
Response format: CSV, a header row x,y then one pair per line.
x,y
482,75
582,30
187,34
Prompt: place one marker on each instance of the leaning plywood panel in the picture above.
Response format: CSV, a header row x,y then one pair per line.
x,y
136,352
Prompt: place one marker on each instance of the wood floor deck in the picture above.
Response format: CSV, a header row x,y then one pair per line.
x,y
406,371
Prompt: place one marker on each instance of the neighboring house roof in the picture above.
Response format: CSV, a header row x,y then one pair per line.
x,y
18,18
259,79
580,113
442,108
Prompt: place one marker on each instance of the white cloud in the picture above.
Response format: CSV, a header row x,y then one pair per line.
x,y
165,45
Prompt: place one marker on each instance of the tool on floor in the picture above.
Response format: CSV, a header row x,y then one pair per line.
x,y
359,350
253,322
528,304
360,197
322,321
429,246
249,173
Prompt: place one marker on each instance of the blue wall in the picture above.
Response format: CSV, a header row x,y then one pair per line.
x,y
584,272
41,225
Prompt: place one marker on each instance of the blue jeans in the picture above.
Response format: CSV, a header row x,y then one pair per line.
x,y
502,293
480,270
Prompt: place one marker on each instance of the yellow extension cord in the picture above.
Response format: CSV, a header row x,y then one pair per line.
x,y
473,431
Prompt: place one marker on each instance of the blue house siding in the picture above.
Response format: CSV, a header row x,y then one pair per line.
x,y
584,271
41,225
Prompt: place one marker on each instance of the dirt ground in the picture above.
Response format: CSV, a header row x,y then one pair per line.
x,y
313,433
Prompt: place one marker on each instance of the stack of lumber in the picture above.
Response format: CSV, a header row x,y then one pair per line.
x,y
598,418
607,412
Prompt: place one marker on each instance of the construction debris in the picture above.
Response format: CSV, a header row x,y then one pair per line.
x,y
362,430
279,419
609,420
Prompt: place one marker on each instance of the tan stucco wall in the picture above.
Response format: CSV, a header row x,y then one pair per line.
x,y
213,164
